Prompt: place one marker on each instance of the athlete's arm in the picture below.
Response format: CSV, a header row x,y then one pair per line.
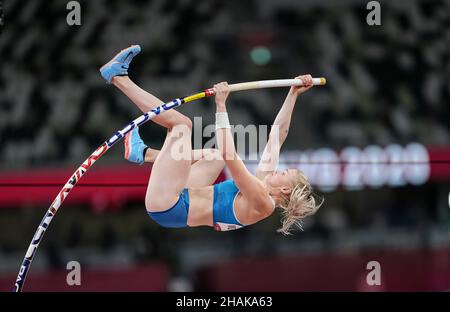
x,y
280,129
250,186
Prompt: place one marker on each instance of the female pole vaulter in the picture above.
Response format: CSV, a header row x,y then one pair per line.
x,y
180,190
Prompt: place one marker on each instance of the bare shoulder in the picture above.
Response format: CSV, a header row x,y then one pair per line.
x,y
249,211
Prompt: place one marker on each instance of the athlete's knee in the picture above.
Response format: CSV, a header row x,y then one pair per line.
x,y
181,121
213,154
187,122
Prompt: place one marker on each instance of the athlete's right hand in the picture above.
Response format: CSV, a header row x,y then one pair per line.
x,y
307,84
222,91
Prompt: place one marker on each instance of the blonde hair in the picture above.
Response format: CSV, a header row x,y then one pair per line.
x,y
299,204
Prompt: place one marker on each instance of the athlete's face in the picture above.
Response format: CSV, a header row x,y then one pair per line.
x,y
281,179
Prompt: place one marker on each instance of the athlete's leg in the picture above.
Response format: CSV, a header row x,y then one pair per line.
x,y
145,101
170,171
116,72
205,171
172,165
206,165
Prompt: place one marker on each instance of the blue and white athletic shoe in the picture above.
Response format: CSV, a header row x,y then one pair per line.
x,y
134,147
120,63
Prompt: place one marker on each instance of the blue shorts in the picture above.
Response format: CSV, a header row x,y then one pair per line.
x,y
175,217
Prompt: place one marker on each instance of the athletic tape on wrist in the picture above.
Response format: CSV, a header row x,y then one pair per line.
x,y
222,120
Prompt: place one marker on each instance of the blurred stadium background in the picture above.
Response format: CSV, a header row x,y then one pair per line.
x,y
386,107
